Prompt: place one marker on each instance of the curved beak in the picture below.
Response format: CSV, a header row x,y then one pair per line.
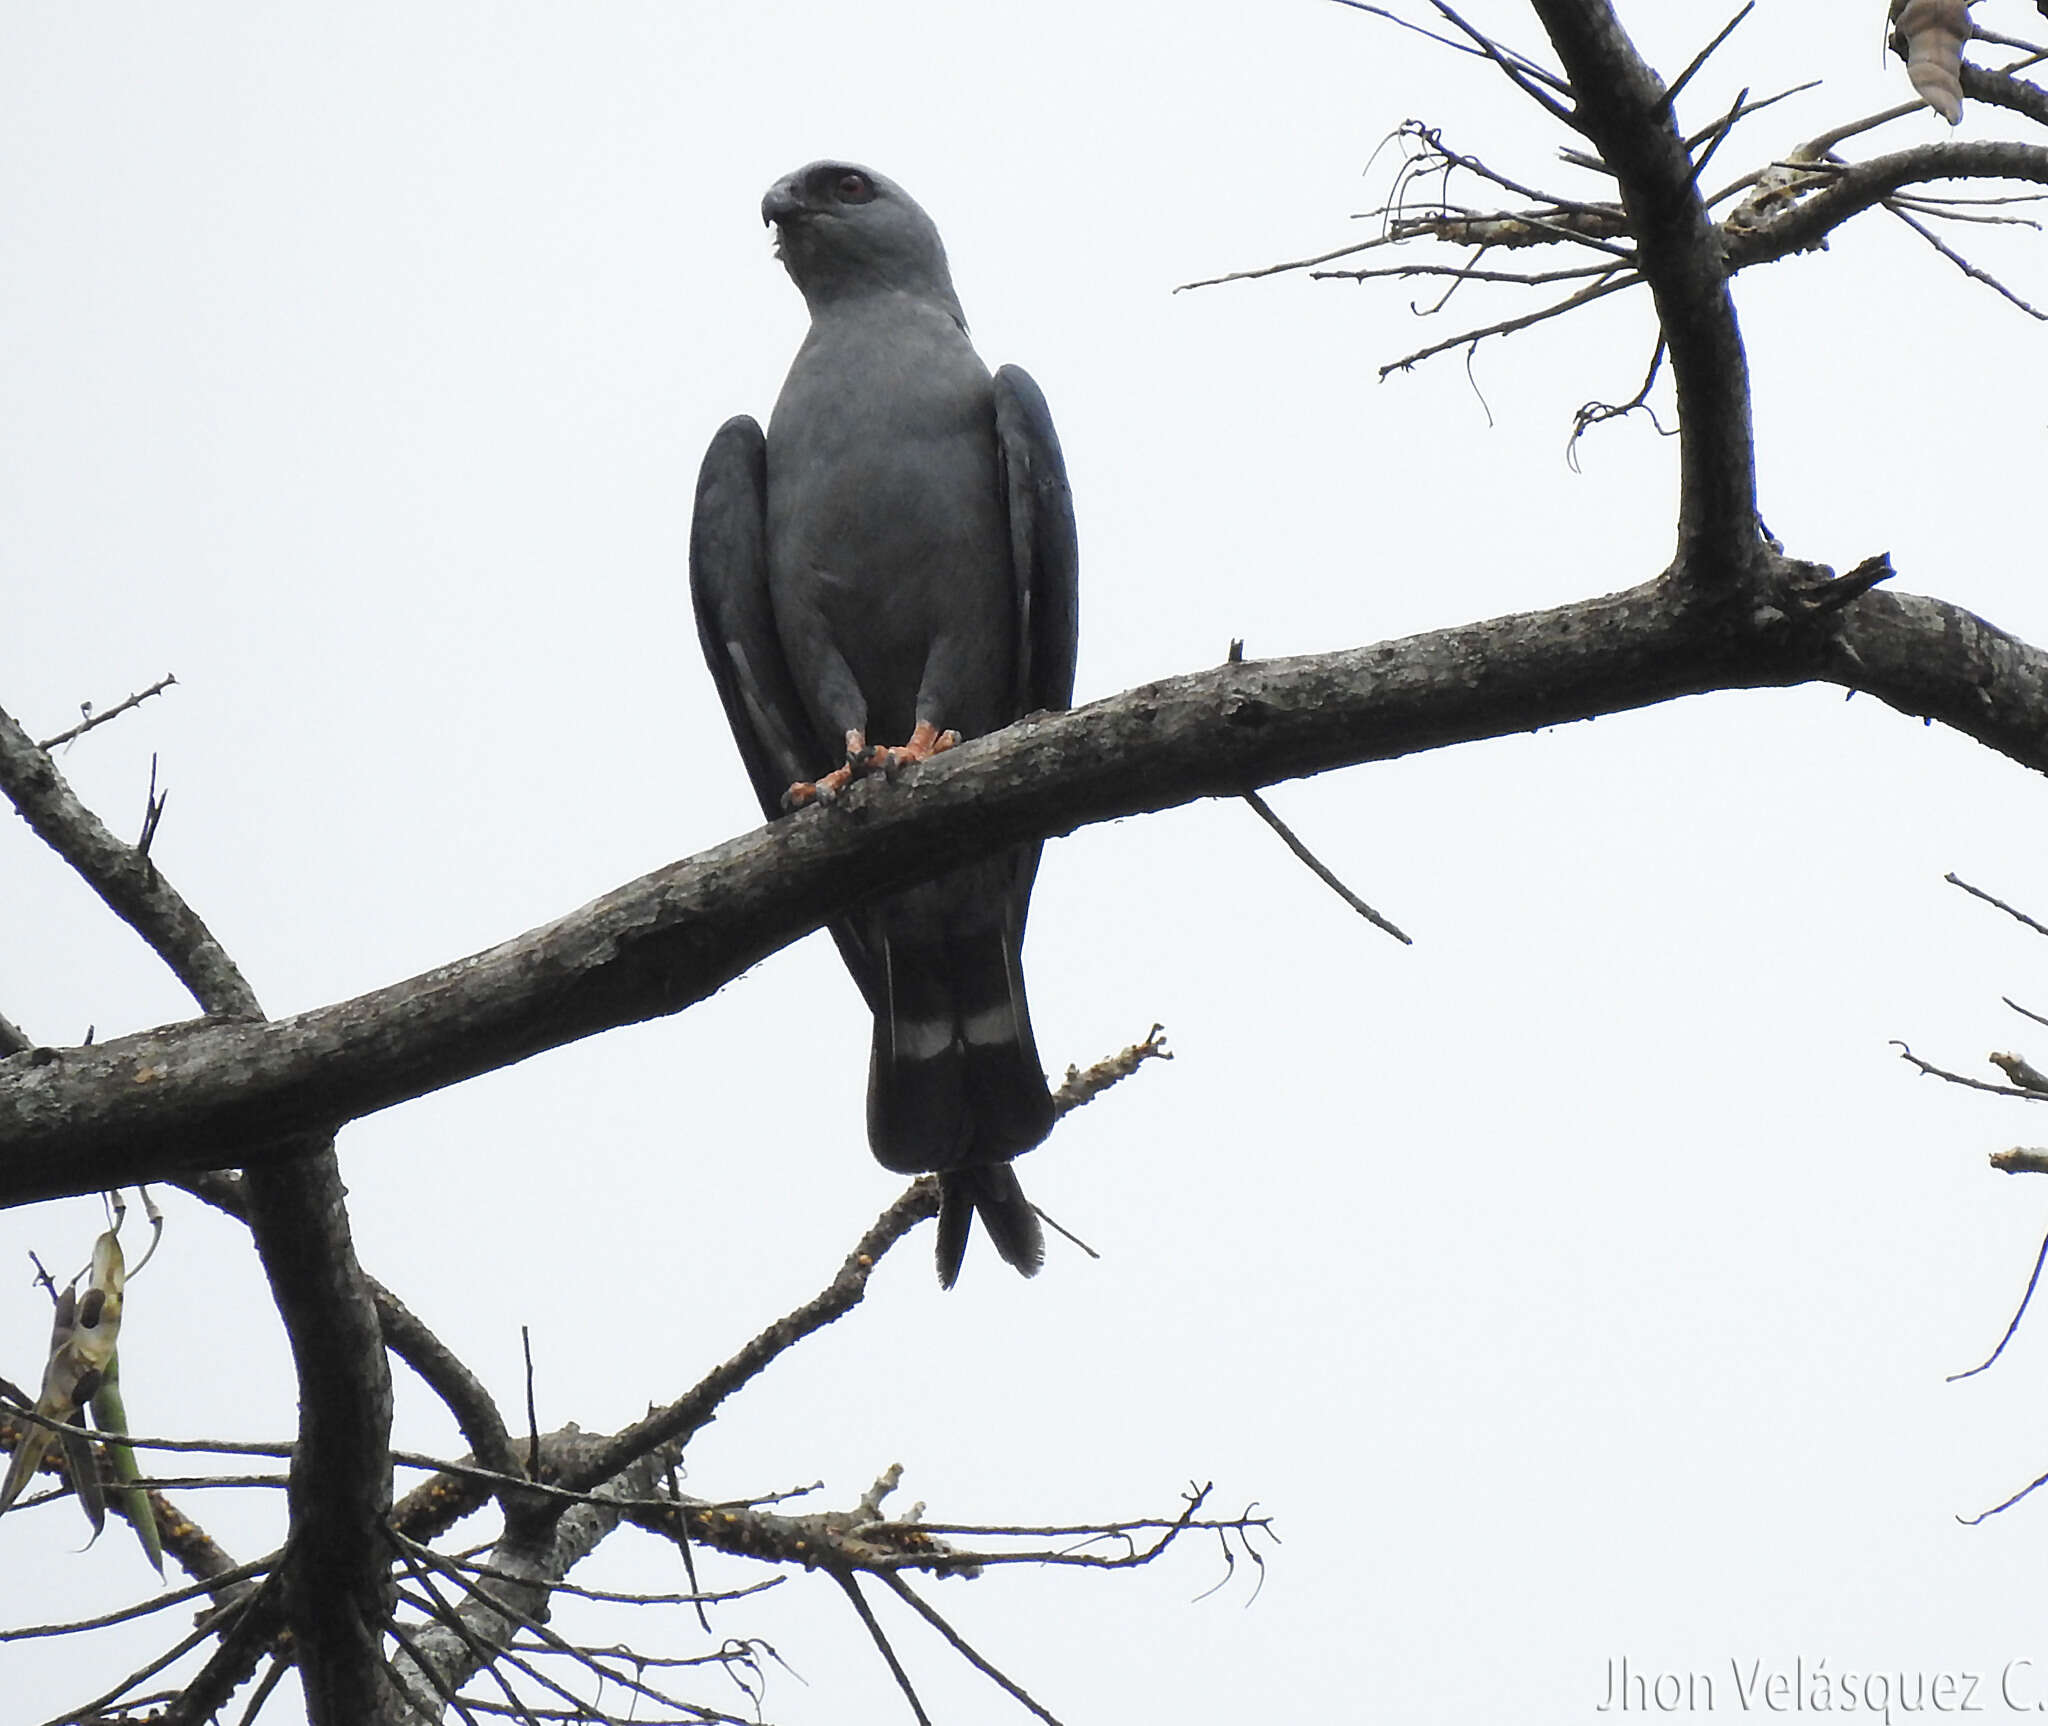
x,y
781,202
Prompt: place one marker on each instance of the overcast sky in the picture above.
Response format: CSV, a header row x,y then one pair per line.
x,y
1576,1285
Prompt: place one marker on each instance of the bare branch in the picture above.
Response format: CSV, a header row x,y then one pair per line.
x,y
962,1647
2018,916
1517,66
1693,66
467,1400
93,721
1625,111
1084,1086
335,1585
1932,1071
146,1106
2026,1299
865,1613
675,1424
1804,221
209,1588
1320,870
1510,326
127,881
2000,89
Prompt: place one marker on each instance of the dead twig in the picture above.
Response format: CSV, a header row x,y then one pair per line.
x,y
1955,880
960,1646
1084,1086
2033,1282
1962,263
872,1625
1511,326
1928,1067
1599,413
1320,870
93,721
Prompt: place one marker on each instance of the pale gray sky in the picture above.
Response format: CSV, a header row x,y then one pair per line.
x,y
1578,1284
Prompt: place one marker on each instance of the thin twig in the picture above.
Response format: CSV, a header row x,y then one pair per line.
x,y
1599,413
153,804
1955,880
1700,59
173,1597
1084,1086
1320,870
484,1658
1485,51
444,1373
964,1649
1986,1515
1962,263
1521,71
1510,326
867,1617
2033,1282
1928,1067
1466,273
515,1616
266,1686
93,721
1811,154
617,1597
1720,135
532,1415
700,1404
106,1699
1294,264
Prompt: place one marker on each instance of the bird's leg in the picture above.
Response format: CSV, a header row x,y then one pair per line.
x,y
828,786
926,740
863,758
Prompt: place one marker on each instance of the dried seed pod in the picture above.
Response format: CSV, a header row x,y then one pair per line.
x,y
1934,32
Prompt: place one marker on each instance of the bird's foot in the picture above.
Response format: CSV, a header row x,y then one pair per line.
x,y
863,758
926,741
826,788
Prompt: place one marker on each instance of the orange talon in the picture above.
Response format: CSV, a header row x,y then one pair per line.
x,y
828,786
926,740
822,790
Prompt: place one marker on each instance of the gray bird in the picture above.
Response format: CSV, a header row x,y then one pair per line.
x,y
893,568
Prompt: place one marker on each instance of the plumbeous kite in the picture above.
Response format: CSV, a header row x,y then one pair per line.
x,y
892,568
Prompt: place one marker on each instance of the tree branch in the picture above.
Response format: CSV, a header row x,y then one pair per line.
x,y
336,1588
2003,90
1624,110
1799,224
204,1092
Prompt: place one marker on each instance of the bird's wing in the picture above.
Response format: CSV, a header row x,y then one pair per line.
x,y
1045,564
1042,546
729,592
735,624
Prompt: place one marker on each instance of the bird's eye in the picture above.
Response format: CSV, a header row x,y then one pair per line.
x,y
854,189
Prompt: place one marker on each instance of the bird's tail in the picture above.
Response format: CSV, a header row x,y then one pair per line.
x,y
993,1193
954,1086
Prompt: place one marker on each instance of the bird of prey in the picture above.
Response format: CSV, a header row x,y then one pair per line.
x,y
890,569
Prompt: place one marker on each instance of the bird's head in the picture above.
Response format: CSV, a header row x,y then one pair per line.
x,y
843,230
